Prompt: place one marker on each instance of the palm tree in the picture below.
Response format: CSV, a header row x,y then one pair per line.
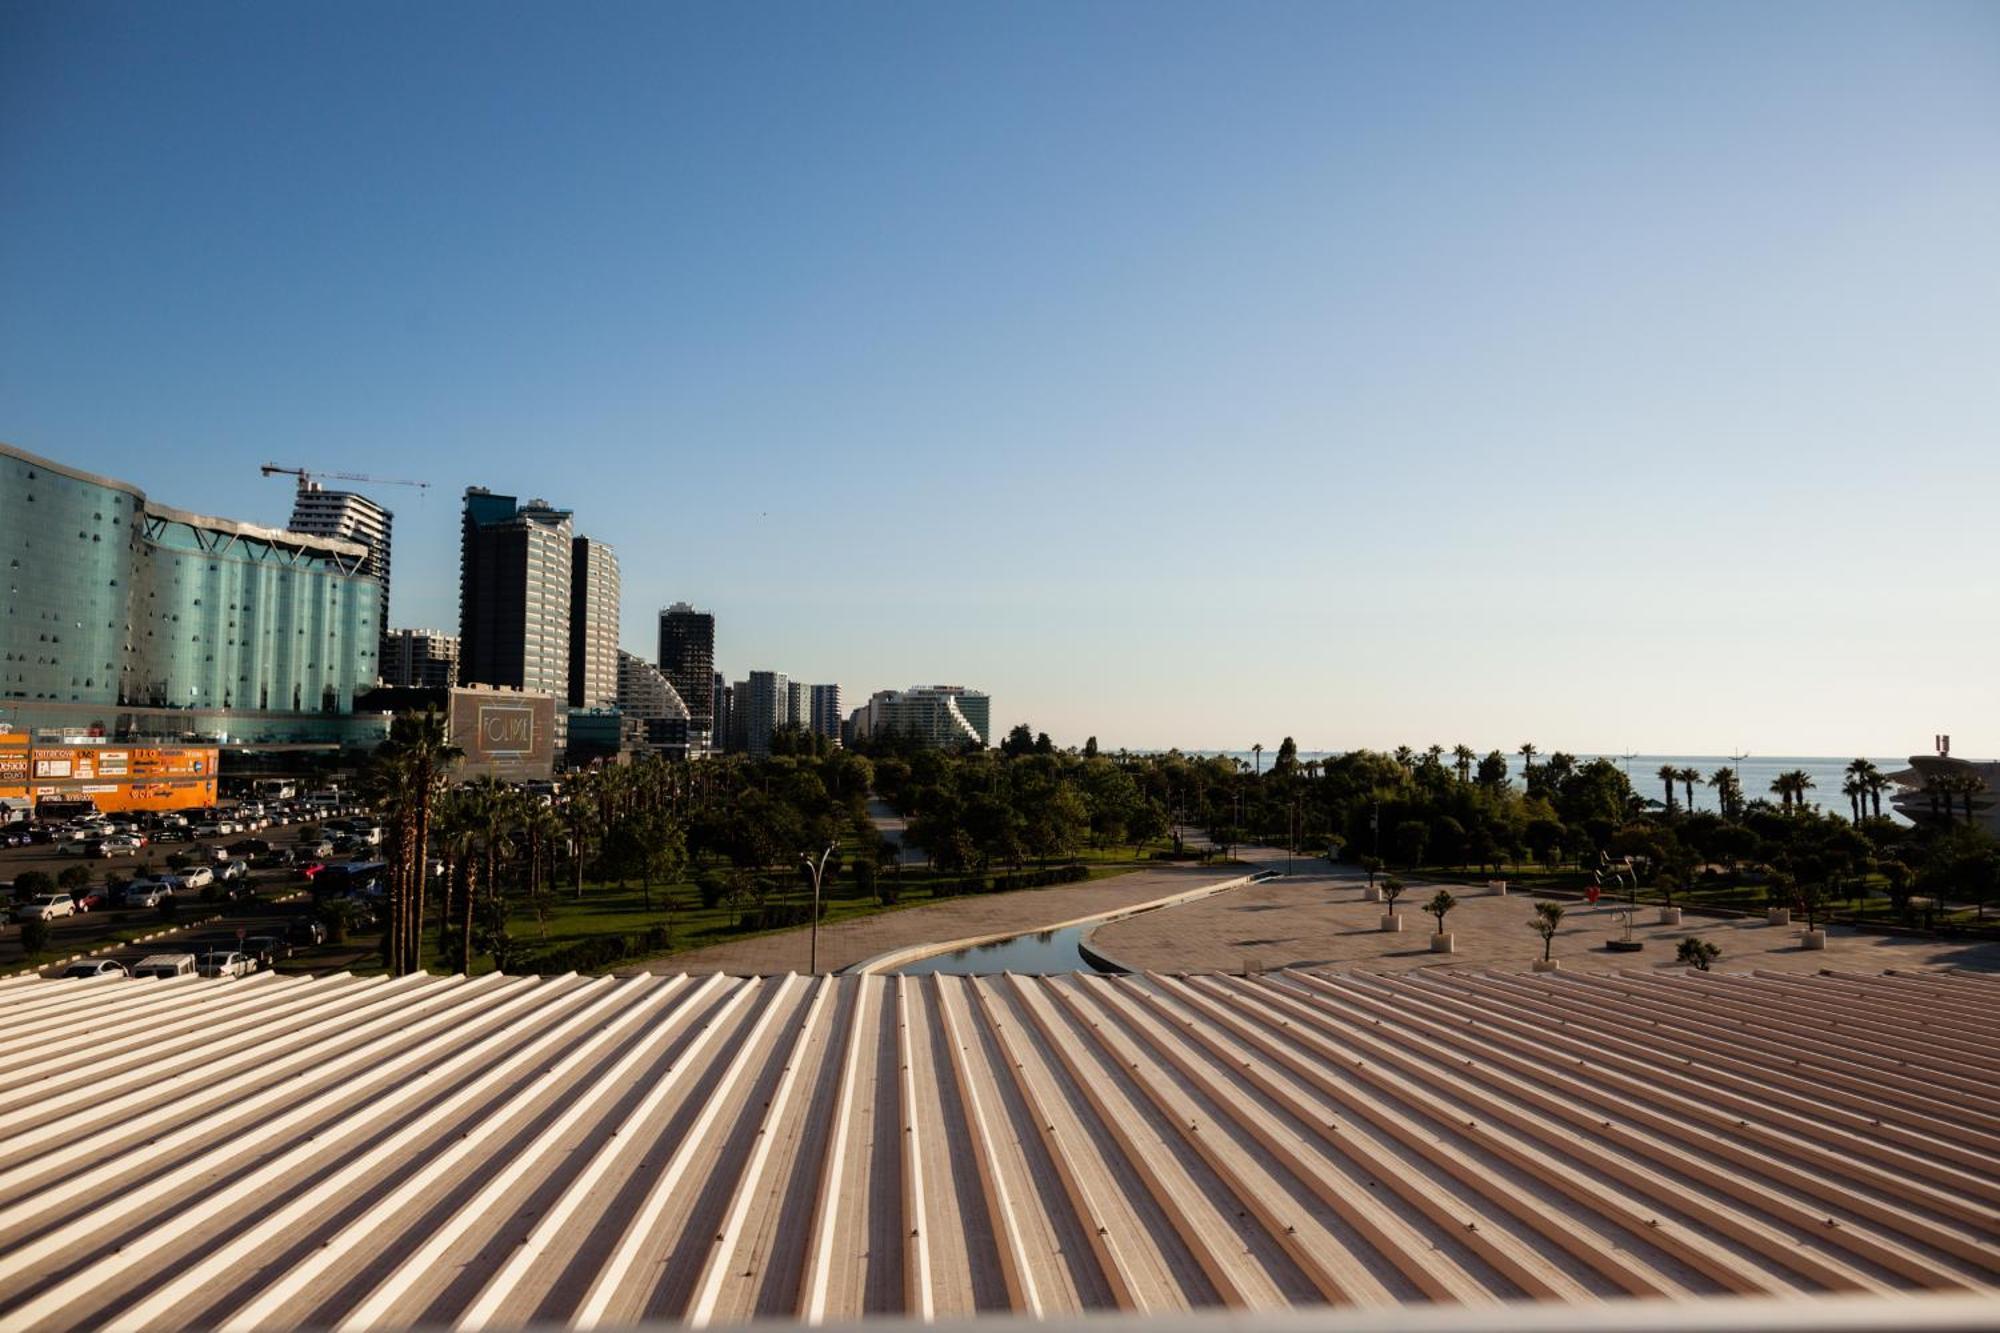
x,y
1669,775
1462,756
1527,753
1791,786
1876,783
1869,779
1728,791
1258,750
1688,777
411,773
1853,791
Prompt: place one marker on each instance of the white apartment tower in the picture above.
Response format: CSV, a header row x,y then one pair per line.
x,y
593,624
319,512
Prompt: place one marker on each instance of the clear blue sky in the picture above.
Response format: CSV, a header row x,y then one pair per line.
x,y
1608,376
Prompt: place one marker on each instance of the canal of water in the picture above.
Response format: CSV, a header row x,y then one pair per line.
x,y
1041,954
1038,954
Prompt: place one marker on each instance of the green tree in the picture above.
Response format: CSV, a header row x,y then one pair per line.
x,y
1440,904
1410,840
1548,917
1697,953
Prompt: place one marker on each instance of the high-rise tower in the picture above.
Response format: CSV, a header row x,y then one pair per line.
x,y
687,659
514,594
593,625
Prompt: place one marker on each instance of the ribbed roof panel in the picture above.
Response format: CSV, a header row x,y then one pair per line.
x,y
280,1152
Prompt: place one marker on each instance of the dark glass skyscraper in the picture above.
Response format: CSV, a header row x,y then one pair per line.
x,y
687,659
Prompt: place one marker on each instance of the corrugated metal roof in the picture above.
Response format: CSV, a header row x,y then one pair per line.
x,y
285,1151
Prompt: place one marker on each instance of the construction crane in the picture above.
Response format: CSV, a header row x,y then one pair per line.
x,y
272,469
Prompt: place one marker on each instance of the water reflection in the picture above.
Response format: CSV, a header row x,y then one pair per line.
x,y
1040,954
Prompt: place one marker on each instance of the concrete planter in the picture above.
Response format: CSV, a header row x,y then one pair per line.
x,y
1813,939
1372,894
1392,921
1670,916
1441,943
1778,916
1497,887
1548,965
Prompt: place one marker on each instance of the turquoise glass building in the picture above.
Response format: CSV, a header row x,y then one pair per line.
x,y
130,616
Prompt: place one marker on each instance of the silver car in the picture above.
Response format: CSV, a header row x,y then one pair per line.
x,y
223,963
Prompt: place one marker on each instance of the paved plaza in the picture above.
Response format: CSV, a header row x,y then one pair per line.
x,y
842,944
1321,920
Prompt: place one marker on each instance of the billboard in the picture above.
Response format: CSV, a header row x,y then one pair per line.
x,y
504,735
169,777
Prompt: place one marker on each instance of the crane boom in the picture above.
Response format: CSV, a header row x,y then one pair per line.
x,y
304,476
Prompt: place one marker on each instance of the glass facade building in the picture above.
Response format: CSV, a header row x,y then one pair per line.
x,y
115,602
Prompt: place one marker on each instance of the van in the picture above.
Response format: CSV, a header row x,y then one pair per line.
x,y
165,965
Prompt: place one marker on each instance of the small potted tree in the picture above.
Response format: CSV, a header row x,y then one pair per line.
x,y
1373,865
1392,889
1811,899
1697,953
1548,916
1679,874
1778,899
1438,907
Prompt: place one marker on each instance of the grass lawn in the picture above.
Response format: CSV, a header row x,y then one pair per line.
x,y
608,909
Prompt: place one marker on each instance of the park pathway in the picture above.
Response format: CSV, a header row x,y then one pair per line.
x,y
892,827
845,943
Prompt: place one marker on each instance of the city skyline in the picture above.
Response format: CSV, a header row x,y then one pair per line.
x,y
1597,378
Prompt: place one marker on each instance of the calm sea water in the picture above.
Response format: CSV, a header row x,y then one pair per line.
x,y
1756,772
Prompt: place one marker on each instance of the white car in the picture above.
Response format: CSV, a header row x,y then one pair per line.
x,y
96,967
165,965
147,893
196,877
46,907
223,963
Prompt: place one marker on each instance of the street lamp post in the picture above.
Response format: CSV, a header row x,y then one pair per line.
x,y
818,869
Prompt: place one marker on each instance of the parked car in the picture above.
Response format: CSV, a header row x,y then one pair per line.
x,y
304,931
250,847
145,893
229,871
196,877
223,963
45,907
91,899
165,965
265,950
95,967
121,844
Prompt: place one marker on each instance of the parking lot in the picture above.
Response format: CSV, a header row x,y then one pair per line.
x,y
252,880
